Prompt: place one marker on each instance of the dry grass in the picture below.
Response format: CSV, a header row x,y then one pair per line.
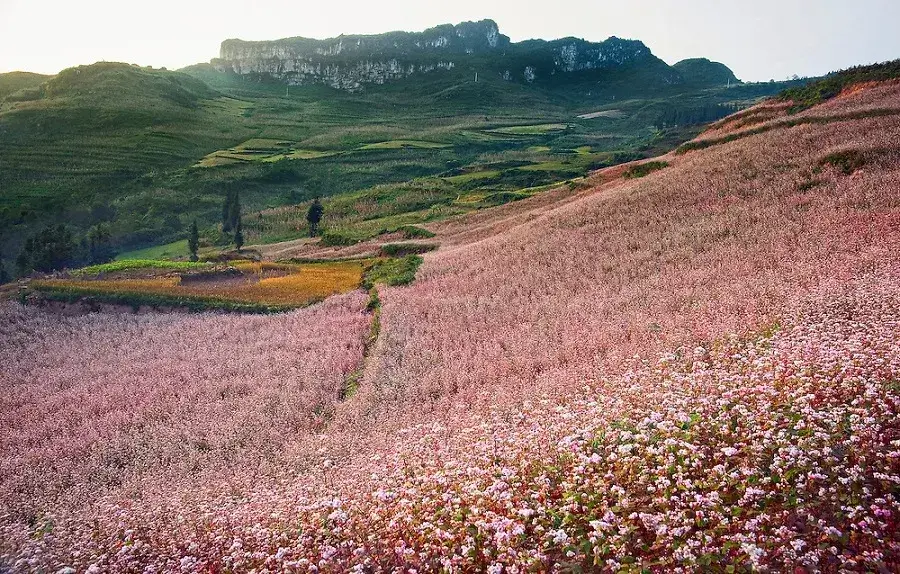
x,y
292,285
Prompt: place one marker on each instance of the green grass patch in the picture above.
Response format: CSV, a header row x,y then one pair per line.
x,y
471,176
403,144
530,130
136,300
404,249
392,271
644,169
304,154
174,250
129,264
414,232
561,165
847,161
262,145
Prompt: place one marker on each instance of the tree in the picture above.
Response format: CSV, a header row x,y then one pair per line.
x,y
234,215
238,235
4,275
52,248
99,245
314,216
194,241
226,212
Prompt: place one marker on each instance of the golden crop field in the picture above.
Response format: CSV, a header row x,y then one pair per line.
x,y
293,285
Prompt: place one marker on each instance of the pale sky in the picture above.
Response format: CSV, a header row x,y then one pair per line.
x,y
758,39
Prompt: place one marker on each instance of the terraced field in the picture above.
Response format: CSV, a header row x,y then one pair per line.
x,y
242,285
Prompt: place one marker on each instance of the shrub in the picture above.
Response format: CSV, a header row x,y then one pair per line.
x,y
392,272
846,161
335,239
644,169
401,249
414,232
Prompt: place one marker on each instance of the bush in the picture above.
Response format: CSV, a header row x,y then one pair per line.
x,y
644,169
392,272
402,249
334,239
847,161
414,232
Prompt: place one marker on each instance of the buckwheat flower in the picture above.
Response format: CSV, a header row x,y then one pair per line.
x,y
559,536
753,551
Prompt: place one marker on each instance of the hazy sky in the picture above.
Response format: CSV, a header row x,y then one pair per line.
x,y
758,39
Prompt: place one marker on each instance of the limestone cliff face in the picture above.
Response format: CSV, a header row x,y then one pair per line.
x,y
351,62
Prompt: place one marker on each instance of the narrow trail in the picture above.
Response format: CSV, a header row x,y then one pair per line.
x,y
351,383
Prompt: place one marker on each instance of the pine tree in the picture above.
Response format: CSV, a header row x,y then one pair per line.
x,y
238,234
314,216
226,212
194,241
99,245
234,216
4,275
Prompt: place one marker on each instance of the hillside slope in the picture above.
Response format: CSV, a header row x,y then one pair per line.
x,y
692,368
144,152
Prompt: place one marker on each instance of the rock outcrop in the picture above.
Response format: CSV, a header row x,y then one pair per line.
x,y
352,62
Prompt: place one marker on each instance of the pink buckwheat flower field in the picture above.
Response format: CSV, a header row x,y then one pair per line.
x,y
696,370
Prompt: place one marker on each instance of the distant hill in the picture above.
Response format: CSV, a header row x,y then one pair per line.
x,y
352,62
700,71
13,82
132,85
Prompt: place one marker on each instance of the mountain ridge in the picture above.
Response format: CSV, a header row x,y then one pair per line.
x,y
351,62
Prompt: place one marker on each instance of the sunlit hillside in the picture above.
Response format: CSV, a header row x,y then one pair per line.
x,y
690,364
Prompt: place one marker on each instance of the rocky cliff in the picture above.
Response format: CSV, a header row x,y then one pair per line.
x,y
351,62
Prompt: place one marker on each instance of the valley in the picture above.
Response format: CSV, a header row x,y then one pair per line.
x,y
143,152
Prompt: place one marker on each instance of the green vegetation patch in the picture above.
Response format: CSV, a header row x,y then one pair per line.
x,y
415,232
847,161
176,249
402,144
136,300
129,264
403,249
530,130
303,154
465,178
393,271
262,145
833,84
644,169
